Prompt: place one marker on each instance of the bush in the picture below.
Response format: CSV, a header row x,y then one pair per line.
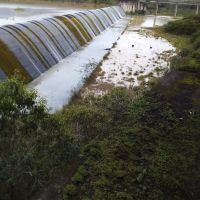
x,y
69,190
117,103
195,35
33,143
149,150
196,43
189,57
185,26
86,122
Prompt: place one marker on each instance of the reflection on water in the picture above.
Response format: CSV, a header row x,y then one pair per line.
x,y
151,21
136,59
148,21
136,55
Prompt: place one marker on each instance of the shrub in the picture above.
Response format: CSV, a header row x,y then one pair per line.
x,y
80,175
69,190
195,35
196,43
117,103
183,26
123,196
86,122
33,143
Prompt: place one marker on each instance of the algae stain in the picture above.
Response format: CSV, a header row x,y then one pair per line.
x,y
10,64
73,29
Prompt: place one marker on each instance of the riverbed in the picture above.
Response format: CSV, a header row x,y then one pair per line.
x,y
136,58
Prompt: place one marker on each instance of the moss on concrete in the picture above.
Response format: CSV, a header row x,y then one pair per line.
x,y
10,64
81,28
73,29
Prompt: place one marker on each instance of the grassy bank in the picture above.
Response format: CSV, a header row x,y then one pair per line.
x,y
130,144
178,41
150,149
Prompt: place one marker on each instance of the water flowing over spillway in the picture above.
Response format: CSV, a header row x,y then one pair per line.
x,y
35,46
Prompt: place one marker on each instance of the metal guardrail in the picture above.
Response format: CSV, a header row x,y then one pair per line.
x,y
141,5
180,1
189,2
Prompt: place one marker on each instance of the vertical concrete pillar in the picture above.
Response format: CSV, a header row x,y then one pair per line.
x,y
197,11
136,6
176,10
132,8
156,9
143,7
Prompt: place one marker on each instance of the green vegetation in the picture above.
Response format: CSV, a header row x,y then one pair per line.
x,y
179,41
147,151
188,58
33,143
131,143
150,147
187,25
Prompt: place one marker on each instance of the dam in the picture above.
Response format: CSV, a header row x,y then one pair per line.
x,y
33,47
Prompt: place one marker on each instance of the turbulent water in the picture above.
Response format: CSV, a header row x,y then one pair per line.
x,y
33,47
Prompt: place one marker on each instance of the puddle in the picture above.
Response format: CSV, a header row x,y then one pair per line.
x,y
136,59
151,21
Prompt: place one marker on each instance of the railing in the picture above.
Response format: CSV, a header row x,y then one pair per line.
x,y
132,6
188,2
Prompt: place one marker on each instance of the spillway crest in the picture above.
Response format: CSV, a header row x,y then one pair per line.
x,y
33,47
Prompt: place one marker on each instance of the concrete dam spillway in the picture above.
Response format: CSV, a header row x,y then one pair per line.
x,y
33,47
